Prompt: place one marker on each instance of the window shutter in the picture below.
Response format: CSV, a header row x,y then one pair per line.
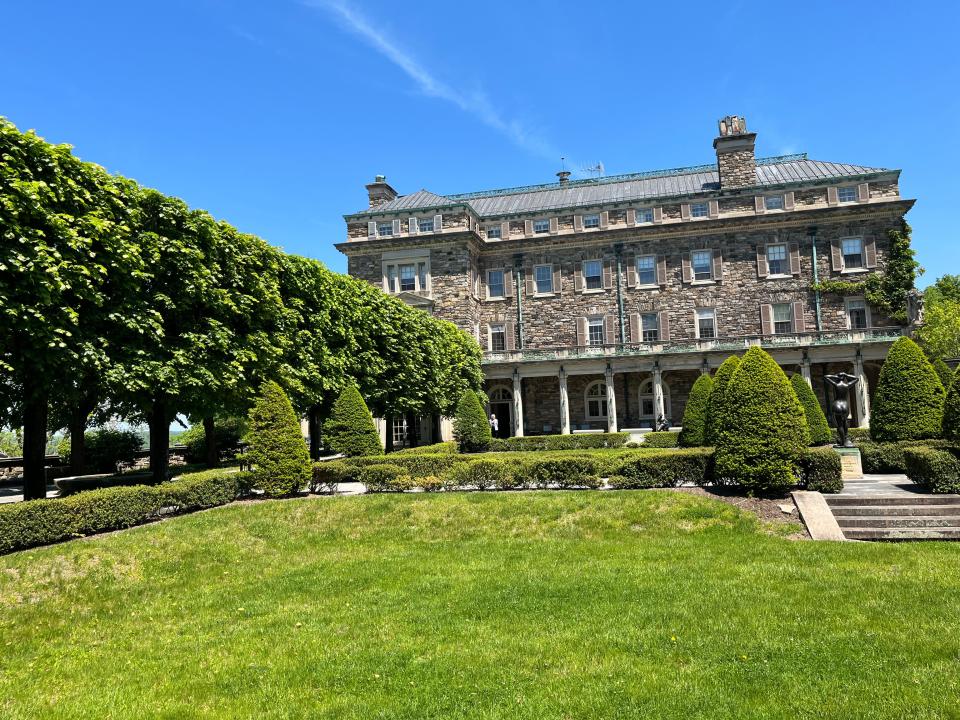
x,y
687,269
788,200
717,266
412,226
832,196
510,342
759,204
528,228
631,217
578,278
486,335
713,208
557,280
684,211
397,227
528,276
631,271
662,270
604,219
371,229
578,222
863,192
799,325
766,319
836,255
794,258
438,223
609,330
658,214
554,226
763,268
870,252
504,231
635,327
581,331
663,321
607,275
508,283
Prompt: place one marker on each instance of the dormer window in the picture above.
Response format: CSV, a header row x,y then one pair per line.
x,y
425,225
773,202
591,221
541,226
384,229
645,215
846,194
699,210
493,232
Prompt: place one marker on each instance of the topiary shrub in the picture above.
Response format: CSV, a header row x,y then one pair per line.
x,y
821,470
662,470
278,453
471,429
951,410
820,432
695,414
943,372
104,449
937,470
713,418
764,430
661,439
350,430
908,402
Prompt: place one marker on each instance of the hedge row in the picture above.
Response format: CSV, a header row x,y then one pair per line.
x,y
40,522
888,457
560,442
661,439
938,470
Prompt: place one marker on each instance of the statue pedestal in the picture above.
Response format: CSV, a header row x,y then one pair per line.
x,y
850,463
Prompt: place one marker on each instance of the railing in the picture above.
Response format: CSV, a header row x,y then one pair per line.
x,y
723,344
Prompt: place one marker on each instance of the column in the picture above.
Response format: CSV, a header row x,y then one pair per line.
x,y
611,401
862,391
805,370
658,409
517,405
564,404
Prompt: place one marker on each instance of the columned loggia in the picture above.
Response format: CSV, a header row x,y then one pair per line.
x,y
611,401
517,404
862,391
564,403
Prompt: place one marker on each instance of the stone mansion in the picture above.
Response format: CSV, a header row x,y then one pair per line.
x,y
598,302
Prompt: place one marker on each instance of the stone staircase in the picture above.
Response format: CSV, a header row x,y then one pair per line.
x,y
897,516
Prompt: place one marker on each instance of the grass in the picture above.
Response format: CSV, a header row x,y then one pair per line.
x,y
483,605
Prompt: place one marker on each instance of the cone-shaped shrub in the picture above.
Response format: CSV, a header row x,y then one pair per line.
x,y
943,372
695,414
951,410
908,402
350,429
471,429
820,433
764,432
278,453
715,403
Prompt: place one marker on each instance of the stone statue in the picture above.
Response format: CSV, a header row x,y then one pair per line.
x,y
842,382
914,307
662,424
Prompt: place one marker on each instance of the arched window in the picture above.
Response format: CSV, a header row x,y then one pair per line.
x,y
647,410
595,399
501,394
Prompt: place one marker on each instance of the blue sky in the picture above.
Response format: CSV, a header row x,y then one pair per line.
x,y
273,115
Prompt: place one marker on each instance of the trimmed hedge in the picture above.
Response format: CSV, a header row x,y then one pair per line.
x,y
85,483
820,432
938,470
328,474
483,474
951,410
443,447
560,442
41,522
908,402
471,429
385,477
278,453
888,457
663,470
820,469
694,423
661,439
350,429
568,472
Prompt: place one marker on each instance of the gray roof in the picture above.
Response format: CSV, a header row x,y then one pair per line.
x,y
781,170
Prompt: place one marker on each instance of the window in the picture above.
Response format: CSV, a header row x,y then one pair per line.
x,y
847,194
596,401
706,323
782,318
400,431
702,261
852,249
493,232
857,314
384,229
646,270
593,275
495,284
777,263
645,215
391,273
591,221
408,278
425,225
650,327
541,226
595,331
422,275
699,210
543,279
773,202
498,338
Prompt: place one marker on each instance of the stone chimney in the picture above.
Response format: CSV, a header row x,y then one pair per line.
x,y
564,176
736,161
380,192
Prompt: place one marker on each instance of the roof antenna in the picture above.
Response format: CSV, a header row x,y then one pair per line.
x,y
598,169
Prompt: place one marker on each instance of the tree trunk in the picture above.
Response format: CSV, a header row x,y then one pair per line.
x,y
313,423
210,438
388,420
78,427
411,430
159,440
34,441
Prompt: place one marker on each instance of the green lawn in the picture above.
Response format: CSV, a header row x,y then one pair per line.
x,y
487,605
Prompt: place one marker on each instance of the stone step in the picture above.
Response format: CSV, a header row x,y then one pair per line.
x,y
842,511
903,499
900,521
902,533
